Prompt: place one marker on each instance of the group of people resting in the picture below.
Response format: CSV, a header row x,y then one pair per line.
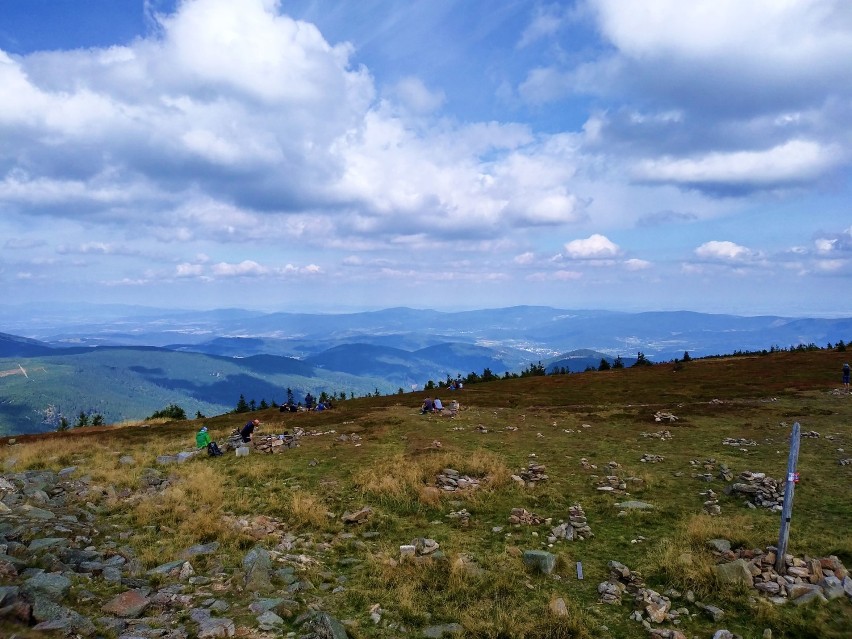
x,y
430,405
202,437
309,405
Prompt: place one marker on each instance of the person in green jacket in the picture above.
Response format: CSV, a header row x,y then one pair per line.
x,y
202,440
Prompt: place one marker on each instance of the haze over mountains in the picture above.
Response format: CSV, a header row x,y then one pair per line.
x,y
127,362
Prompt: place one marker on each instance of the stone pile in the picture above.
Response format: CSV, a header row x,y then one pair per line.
x,y
275,443
738,441
846,462
725,473
611,483
711,503
651,606
587,465
759,490
811,434
707,464
451,480
354,438
660,434
651,459
621,580
462,516
662,416
258,526
531,475
577,527
805,578
523,516
419,548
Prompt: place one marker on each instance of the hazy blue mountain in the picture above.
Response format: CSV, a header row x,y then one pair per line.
x,y
126,361
14,346
456,358
542,332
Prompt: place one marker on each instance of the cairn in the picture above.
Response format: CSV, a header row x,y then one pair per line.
x,y
577,527
621,580
523,516
660,434
276,443
662,416
451,480
711,503
760,491
804,579
533,474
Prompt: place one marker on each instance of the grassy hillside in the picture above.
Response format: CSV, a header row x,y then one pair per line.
x,y
580,427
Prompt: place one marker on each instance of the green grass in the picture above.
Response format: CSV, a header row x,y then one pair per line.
x,y
758,398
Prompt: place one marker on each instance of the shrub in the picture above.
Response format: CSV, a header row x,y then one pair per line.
x,y
172,411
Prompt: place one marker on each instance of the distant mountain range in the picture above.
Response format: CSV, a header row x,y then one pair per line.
x,y
127,362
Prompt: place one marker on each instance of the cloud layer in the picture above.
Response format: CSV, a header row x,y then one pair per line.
x,y
621,141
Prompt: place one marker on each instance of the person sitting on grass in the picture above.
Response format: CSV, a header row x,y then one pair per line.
x,y
247,430
202,440
427,407
437,405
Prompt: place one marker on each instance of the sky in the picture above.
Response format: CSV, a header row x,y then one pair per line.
x,y
312,155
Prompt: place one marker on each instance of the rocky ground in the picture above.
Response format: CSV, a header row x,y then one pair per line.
x,y
58,558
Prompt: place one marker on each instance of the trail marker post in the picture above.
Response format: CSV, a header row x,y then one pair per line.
x,y
787,509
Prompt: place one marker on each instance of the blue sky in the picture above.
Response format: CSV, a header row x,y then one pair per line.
x,y
315,155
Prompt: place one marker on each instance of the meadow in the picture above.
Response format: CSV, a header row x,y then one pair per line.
x,y
381,453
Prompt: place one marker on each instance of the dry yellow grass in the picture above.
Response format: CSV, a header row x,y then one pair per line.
x,y
741,529
53,454
405,476
685,557
186,513
397,477
307,510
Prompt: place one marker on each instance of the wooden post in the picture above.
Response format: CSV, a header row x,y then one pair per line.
x,y
787,510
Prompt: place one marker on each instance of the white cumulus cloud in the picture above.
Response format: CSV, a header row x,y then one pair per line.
x,y
723,250
593,247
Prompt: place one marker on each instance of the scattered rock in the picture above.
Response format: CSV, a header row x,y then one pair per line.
x,y
660,434
523,516
358,517
539,561
741,441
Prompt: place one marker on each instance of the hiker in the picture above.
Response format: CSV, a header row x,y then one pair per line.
x,y
846,377
427,407
202,439
437,406
309,401
248,429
